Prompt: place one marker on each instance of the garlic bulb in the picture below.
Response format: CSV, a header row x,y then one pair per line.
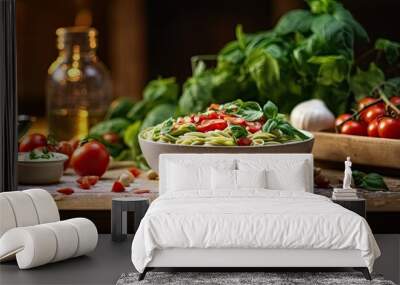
x,y
126,178
312,115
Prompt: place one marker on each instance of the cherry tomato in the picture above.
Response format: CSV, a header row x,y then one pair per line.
x,y
341,119
211,125
243,141
118,187
389,128
253,127
135,171
85,184
354,128
92,158
395,100
373,128
111,138
66,191
368,100
67,149
371,113
74,143
214,107
32,141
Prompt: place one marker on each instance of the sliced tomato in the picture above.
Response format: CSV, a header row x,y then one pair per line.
x,y
135,171
118,187
85,184
253,127
243,141
66,191
235,120
212,125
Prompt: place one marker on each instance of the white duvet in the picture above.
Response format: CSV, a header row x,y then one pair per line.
x,y
250,219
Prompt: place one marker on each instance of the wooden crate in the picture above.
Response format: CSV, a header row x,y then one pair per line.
x,y
362,150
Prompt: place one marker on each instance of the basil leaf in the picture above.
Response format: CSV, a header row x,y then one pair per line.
x,y
250,111
294,21
270,110
269,126
363,82
390,48
167,126
371,181
238,131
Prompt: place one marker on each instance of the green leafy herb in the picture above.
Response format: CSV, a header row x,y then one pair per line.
x,y
371,181
390,48
238,131
363,82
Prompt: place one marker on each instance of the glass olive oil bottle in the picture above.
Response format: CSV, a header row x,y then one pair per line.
x,y
78,85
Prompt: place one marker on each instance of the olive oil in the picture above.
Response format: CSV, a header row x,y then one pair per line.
x,y
72,124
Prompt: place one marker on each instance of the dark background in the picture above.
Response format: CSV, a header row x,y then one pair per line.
x,y
142,39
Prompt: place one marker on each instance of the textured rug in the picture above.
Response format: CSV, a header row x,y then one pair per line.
x,y
253,278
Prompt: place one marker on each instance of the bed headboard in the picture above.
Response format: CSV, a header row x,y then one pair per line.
x,y
243,160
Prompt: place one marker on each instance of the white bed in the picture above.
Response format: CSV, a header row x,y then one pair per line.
x,y
248,227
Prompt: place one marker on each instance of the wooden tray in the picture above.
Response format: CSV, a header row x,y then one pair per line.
x,y
362,150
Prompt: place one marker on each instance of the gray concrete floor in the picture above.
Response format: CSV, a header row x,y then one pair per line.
x,y
102,266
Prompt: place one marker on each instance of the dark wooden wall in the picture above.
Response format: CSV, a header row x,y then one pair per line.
x,y
142,39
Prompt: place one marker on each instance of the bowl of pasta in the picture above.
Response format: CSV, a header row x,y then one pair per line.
x,y
234,127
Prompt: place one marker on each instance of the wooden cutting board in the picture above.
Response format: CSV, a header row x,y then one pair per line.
x,y
369,151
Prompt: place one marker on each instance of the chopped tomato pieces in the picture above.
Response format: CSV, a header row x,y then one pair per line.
x,y
244,141
141,191
212,125
118,187
66,191
135,171
253,127
92,179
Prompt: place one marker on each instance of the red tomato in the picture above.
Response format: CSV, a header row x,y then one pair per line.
x,y
341,119
395,100
371,113
354,128
31,142
67,149
235,120
91,158
118,187
368,100
135,171
243,141
74,143
373,128
253,127
66,191
111,138
211,125
389,128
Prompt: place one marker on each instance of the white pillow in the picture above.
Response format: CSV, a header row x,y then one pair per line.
x,y
185,175
290,175
251,178
223,179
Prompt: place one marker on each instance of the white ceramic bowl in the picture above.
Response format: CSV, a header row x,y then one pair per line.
x,y
152,150
40,171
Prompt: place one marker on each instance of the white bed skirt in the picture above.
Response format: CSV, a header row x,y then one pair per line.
x,y
193,257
